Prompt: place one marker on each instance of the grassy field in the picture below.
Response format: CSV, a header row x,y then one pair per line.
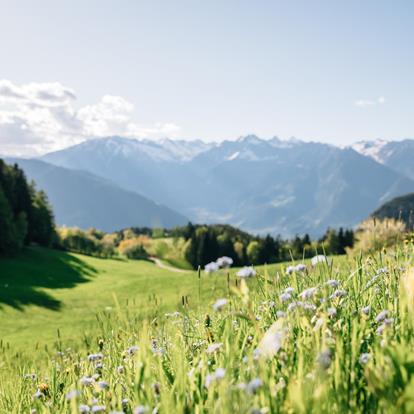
x,y
335,338
43,291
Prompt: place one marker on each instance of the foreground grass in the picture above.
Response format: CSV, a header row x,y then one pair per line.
x,y
332,339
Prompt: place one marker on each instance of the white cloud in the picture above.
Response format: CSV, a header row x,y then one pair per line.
x,y
39,117
369,102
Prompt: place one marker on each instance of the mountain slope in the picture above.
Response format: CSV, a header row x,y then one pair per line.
x,y
274,186
397,155
400,208
82,199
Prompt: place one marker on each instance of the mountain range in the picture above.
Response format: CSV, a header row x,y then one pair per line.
x,y
262,186
82,199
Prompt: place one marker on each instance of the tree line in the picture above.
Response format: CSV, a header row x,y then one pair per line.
x,y
205,243
25,214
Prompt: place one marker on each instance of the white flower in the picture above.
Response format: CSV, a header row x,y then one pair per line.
x,y
284,297
332,312
366,310
272,340
214,347
381,316
211,267
103,385
72,394
290,270
254,385
320,258
308,293
289,290
83,409
338,294
246,271
95,357
280,314
86,381
219,304
224,261
324,359
364,358
38,394
141,409
98,408
332,283
300,267
216,376
132,349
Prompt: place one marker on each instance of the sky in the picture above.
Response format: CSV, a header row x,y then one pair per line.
x,y
330,71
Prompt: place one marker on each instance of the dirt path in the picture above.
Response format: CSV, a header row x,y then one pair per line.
x,y
164,266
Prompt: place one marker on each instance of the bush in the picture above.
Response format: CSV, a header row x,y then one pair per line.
x,y
90,242
133,248
374,234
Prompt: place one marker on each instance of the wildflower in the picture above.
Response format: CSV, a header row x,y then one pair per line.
x,y
284,297
246,271
72,395
366,310
98,408
290,270
224,261
338,294
175,314
141,409
332,312
308,306
272,340
219,304
332,283
388,321
103,385
132,350
320,258
254,385
120,369
38,394
280,314
83,409
289,290
364,358
211,267
292,306
381,316
300,267
380,329
324,359
214,347
95,357
216,376
308,293
87,381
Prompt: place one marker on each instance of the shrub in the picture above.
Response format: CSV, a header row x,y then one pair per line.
x,y
133,248
374,234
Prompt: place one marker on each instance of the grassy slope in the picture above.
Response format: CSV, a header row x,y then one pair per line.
x,y
44,290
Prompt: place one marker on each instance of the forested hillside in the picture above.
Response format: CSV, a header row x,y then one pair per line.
x,y
25,214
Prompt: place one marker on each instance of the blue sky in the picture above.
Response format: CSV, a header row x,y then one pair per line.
x,y
333,71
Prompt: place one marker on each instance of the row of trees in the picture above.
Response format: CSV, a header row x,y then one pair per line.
x,y
206,243
25,214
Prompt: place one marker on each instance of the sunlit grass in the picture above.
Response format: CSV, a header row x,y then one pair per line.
x,y
340,341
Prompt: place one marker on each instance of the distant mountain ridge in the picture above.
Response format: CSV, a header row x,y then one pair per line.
x,y
262,186
397,155
82,199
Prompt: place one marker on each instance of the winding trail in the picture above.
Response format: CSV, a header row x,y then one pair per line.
x,y
164,266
